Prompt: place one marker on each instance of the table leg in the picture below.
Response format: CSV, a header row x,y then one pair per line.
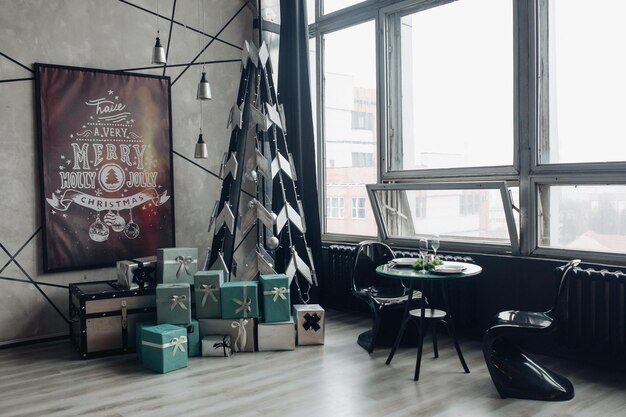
x,y
405,318
420,344
450,321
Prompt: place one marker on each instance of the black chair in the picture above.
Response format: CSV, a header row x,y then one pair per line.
x,y
513,372
379,293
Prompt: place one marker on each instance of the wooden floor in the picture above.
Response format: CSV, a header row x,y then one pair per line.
x,y
337,379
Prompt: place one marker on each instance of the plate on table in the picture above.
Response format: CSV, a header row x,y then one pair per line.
x,y
450,268
403,261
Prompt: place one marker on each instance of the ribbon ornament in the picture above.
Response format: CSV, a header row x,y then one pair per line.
x,y
225,344
245,305
178,343
311,322
242,334
184,262
277,293
209,291
178,300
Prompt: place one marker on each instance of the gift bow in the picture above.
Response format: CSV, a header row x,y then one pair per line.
x,y
184,265
178,300
244,304
242,334
277,292
310,321
178,343
208,291
224,345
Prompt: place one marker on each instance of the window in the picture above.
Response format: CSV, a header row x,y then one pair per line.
x,y
477,91
349,148
447,76
585,84
583,217
334,207
362,159
358,208
362,120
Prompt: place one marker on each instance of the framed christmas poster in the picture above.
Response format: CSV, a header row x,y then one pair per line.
x,y
105,142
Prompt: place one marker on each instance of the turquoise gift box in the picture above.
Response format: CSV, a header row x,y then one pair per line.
x,y
176,265
193,338
240,299
207,294
276,300
173,303
138,328
164,347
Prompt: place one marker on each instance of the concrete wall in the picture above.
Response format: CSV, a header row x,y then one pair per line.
x,y
106,34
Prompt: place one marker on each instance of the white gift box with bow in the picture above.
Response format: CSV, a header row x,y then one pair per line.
x,y
176,265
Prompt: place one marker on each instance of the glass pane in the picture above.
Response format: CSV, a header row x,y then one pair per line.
x,y
586,82
350,145
334,5
310,11
584,217
469,215
457,87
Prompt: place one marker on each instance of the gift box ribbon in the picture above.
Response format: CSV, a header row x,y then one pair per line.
x,y
245,304
242,334
208,291
178,300
225,344
277,292
311,322
183,264
178,343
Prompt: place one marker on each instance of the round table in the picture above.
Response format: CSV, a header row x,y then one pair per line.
x,y
412,276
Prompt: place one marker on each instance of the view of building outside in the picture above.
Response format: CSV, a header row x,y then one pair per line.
x,y
350,129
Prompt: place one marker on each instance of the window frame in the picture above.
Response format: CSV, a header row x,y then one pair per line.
x,y
530,83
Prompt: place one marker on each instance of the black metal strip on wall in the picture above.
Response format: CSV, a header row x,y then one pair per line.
x,y
169,36
16,62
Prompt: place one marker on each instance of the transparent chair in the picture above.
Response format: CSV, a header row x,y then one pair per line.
x,y
379,293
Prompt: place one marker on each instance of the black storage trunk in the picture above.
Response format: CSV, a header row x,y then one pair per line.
x,y
103,317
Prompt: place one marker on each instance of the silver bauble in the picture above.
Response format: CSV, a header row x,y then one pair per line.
x,y
272,242
131,230
98,231
118,224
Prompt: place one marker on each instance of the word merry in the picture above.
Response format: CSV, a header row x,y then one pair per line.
x,y
106,152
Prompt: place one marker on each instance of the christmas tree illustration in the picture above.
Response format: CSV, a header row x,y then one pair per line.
x,y
258,224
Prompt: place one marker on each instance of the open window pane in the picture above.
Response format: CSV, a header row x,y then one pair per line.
x,y
583,217
475,212
587,86
456,64
350,149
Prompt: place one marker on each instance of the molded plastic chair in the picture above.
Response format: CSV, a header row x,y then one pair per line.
x,y
512,371
379,293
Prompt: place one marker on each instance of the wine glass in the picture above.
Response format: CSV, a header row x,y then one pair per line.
x,y
434,243
423,248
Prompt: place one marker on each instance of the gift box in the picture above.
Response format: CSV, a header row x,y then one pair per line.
x,y
136,273
277,336
176,265
164,347
138,328
216,346
207,293
276,299
241,332
239,299
173,303
309,324
193,338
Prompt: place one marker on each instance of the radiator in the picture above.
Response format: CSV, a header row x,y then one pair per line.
x,y
596,313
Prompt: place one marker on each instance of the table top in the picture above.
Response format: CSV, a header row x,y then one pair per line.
x,y
408,272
